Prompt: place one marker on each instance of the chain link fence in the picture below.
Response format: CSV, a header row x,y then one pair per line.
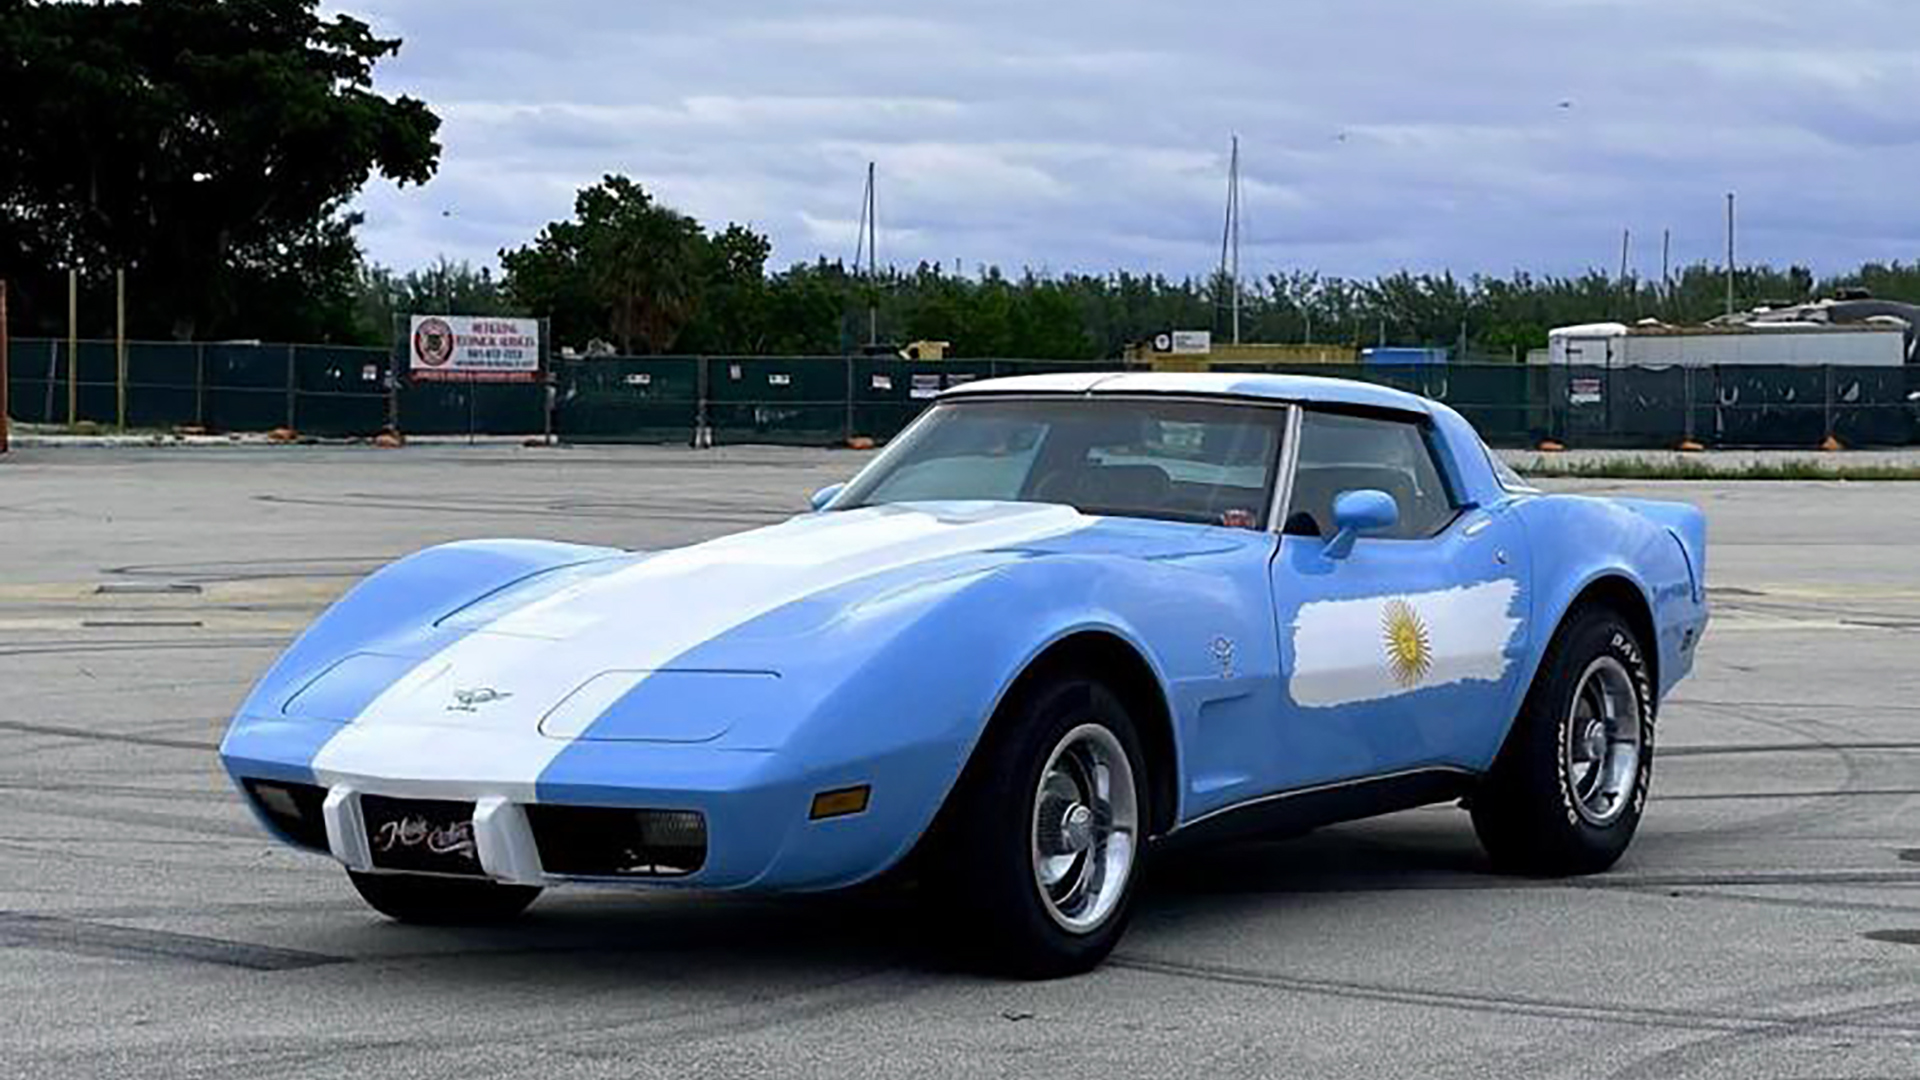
x,y
333,391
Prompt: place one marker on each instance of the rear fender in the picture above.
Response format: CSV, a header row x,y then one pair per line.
x,y
1578,540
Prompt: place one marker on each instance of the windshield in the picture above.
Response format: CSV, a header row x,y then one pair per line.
x,y
1125,457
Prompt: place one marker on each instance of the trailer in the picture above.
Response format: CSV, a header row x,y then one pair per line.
x,y
1795,344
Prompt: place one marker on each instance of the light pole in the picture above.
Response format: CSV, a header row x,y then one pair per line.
x,y
1729,252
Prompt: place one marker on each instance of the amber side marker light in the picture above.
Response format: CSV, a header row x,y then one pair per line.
x,y
840,802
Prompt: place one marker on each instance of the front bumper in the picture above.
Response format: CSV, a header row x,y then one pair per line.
x,y
755,805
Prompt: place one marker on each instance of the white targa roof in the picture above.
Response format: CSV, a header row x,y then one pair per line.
x,y
1304,388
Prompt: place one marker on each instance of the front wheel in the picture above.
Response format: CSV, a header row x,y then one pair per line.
x,y
1047,830
442,901
1566,793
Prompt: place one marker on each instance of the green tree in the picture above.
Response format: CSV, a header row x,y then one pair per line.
x,y
711,293
731,316
381,295
207,147
632,269
808,310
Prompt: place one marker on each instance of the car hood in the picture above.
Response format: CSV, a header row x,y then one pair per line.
x,y
556,649
651,609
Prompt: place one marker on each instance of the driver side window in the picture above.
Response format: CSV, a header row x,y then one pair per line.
x,y
1344,452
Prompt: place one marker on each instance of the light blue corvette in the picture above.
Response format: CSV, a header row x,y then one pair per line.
x,y
1059,620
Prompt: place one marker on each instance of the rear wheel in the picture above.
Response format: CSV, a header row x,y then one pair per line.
x,y
1045,837
1566,793
442,901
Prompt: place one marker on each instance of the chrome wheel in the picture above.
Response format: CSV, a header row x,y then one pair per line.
x,y
1603,741
1086,821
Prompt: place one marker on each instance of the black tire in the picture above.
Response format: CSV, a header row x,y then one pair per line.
x,y
442,901
1529,812
984,868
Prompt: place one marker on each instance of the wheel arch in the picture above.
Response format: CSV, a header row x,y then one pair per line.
x,y
1618,591
1523,808
1114,659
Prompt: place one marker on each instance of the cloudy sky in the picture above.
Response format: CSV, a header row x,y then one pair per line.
x,y
1475,135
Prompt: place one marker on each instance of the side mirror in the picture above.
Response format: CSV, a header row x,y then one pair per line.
x,y
1356,513
825,496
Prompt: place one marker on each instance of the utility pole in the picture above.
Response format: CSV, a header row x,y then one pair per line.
x,y
1626,246
1230,237
1666,275
3,367
1729,252
120,349
73,346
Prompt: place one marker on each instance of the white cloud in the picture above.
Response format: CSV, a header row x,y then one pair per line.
x,y
1480,135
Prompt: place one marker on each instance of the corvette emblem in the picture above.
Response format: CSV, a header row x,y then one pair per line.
x,y
1409,648
1222,649
471,700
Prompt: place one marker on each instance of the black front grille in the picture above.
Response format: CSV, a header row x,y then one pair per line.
x,y
594,841
294,809
429,835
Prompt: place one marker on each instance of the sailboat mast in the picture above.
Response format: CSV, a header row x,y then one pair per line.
x,y
873,242
1230,238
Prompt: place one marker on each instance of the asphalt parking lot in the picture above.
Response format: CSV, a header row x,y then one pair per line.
x,y
1766,922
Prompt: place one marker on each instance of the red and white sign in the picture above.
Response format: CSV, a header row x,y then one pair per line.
x,y
474,348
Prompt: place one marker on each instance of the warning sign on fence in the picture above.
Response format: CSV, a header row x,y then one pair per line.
x,y
474,349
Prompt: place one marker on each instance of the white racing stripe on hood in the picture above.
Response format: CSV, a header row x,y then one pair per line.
x,y
413,738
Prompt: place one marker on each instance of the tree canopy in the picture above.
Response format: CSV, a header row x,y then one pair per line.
x,y
640,275
206,147
634,271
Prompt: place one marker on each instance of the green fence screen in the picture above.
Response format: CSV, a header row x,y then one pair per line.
x,y
337,391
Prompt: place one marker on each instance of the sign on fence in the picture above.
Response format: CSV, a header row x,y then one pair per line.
x,y
474,349
1184,342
